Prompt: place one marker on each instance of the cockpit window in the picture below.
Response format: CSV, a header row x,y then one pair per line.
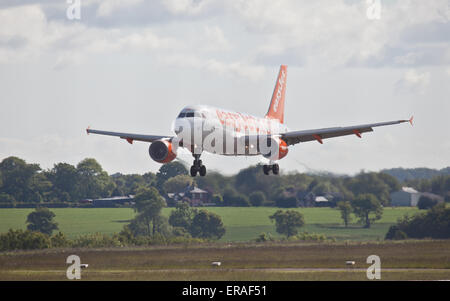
x,y
189,114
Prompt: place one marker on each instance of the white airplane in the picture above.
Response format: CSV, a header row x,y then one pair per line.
x,y
225,132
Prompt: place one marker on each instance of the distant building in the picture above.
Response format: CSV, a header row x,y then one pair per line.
x,y
433,196
86,201
191,194
407,196
321,201
113,201
310,199
174,197
198,196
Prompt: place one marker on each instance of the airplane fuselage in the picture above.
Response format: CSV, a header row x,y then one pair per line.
x,y
213,123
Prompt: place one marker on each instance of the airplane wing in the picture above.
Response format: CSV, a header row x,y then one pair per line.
x,y
127,136
295,137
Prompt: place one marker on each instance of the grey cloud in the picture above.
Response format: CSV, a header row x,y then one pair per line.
x,y
12,3
434,32
12,42
132,14
397,55
148,12
413,81
401,56
144,13
291,57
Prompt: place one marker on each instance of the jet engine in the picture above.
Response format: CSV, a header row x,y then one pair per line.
x,y
162,151
275,149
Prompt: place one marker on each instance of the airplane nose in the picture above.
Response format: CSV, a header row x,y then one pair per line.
x,y
188,125
181,124
176,126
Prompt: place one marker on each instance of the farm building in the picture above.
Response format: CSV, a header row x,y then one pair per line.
x,y
407,196
410,197
433,196
191,194
310,199
321,201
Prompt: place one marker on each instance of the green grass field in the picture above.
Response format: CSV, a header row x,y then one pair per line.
x,y
242,224
400,260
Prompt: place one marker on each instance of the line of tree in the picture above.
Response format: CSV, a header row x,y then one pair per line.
x,y
149,226
435,223
28,183
21,182
404,174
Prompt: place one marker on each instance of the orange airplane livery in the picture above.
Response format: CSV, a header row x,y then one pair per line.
x,y
207,129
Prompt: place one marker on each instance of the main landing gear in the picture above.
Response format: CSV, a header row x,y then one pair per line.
x,y
198,167
275,168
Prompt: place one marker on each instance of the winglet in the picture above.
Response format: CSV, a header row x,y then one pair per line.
x,y
87,130
411,120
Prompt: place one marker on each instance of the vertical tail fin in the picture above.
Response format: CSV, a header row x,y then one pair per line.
x,y
276,108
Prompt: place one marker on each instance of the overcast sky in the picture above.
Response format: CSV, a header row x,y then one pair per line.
x,y
132,65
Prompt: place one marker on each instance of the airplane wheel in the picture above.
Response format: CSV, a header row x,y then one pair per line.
x,y
266,169
275,169
193,171
202,170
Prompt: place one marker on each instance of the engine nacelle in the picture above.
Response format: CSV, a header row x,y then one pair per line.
x,y
162,151
275,149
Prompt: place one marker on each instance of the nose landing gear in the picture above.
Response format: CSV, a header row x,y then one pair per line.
x,y
275,168
198,167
